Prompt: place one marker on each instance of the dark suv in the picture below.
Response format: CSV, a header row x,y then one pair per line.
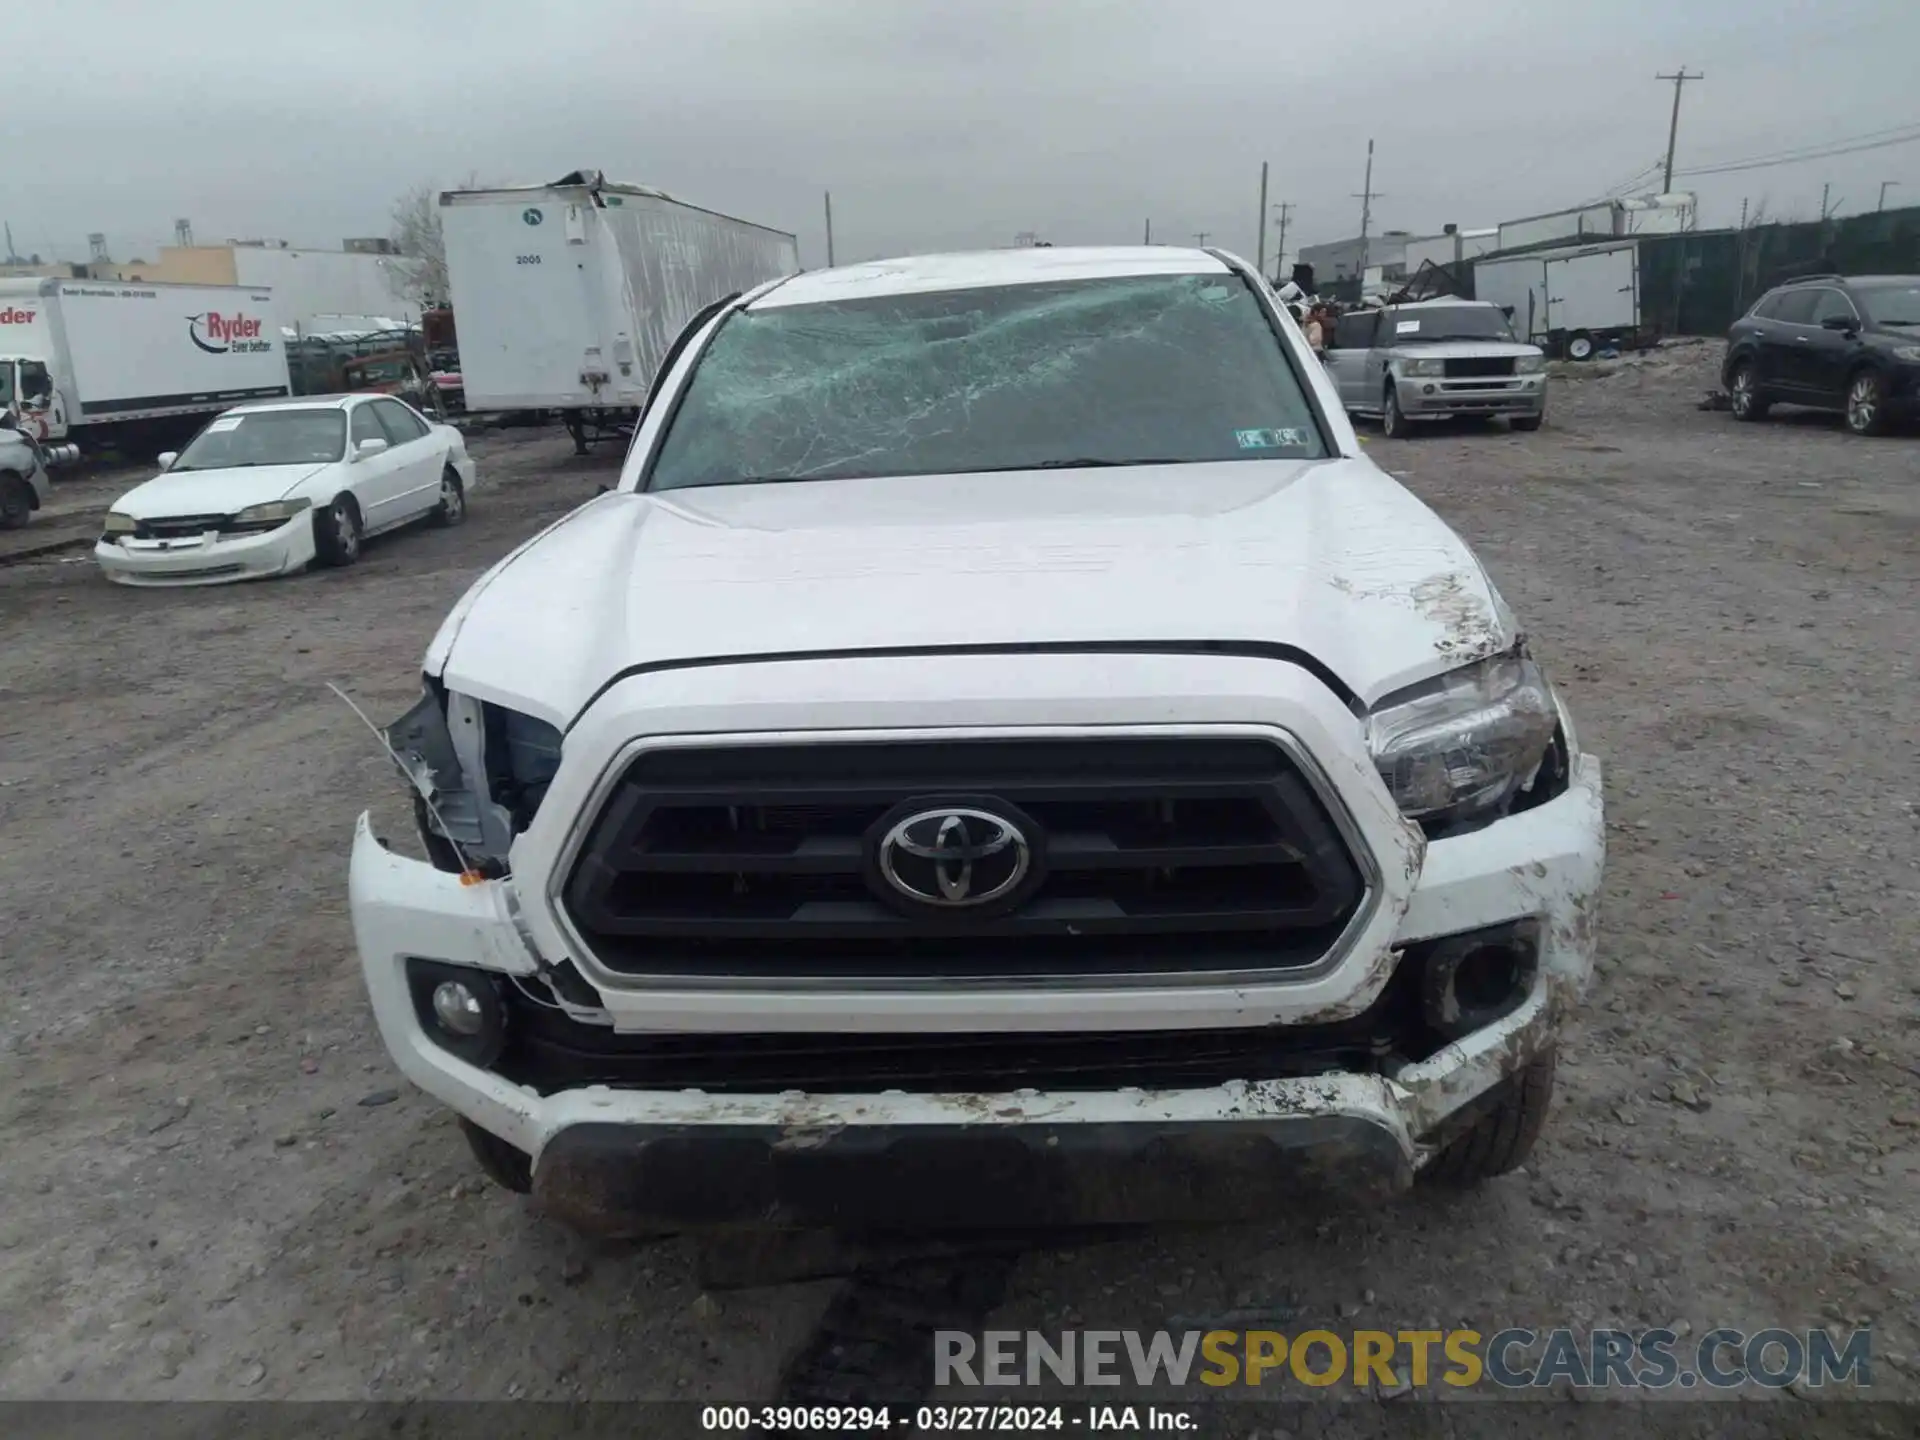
x,y
1846,343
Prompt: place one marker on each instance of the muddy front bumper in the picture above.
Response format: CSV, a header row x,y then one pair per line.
x,y
620,1160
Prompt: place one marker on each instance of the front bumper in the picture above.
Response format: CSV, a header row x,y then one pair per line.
x,y
1424,397
613,1160
210,559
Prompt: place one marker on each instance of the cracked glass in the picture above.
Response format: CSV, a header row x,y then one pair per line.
x,y
1163,369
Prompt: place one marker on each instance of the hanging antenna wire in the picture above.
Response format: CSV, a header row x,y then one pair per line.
x,y
469,872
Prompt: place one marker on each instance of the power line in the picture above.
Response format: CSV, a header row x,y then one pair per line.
x,y
1793,150
1833,149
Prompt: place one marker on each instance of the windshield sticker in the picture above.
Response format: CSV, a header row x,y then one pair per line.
x,y
1270,439
225,422
1406,327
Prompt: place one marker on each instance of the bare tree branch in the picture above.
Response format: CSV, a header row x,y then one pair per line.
x,y
416,235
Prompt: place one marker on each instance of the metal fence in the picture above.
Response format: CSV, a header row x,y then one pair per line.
x,y
1699,282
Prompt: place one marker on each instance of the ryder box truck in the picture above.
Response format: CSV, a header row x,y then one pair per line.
x,y
119,363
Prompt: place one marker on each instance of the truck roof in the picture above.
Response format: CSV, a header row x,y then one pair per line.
x,y
916,274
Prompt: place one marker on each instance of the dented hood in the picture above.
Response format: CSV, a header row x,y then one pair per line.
x,y
1332,557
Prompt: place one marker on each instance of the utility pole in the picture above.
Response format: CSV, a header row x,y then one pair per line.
x,y
1285,207
1679,79
1884,185
1147,239
829,195
1200,237
1743,212
1823,198
1260,264
1366,197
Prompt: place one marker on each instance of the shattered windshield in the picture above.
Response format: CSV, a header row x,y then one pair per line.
x,y
266,437
1166,369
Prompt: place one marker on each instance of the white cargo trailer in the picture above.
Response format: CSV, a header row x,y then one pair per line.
x,y
1569,301
568,295
106,362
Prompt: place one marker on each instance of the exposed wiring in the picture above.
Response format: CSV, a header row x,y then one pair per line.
x,y
1831,149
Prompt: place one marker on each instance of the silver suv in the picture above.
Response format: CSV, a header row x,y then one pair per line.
x,y
1434,360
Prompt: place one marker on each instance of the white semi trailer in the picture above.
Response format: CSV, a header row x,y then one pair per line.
x,y
568,295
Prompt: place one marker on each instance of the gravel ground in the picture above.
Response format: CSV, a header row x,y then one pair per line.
x,y
217,1187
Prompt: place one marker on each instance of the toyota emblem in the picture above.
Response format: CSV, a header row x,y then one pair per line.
x,y
954,856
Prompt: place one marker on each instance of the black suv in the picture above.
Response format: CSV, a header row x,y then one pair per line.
x,y
1835,342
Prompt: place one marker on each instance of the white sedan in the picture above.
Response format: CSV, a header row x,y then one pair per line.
x,y
269,488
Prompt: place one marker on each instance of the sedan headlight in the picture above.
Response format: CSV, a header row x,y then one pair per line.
x,y
1465,743
1908,353
1422,367
1530,364
118,524
273,512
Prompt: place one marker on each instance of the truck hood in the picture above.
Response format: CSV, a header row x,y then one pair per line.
x,y
212,492
1330,556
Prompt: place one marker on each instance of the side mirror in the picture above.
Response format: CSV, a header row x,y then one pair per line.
x,y
368,448
167,457
1840,322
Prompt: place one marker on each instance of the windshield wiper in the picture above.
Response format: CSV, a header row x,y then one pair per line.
x,y
1082,462
1900,322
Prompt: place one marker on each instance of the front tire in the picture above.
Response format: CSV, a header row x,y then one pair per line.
x,y
1393,423
16,502
1527,424
1744,396
1502,1139
452,508
337,533
1866,404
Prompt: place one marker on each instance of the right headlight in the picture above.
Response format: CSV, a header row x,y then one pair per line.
x,y
274,512
1422,367
1465,743
118,524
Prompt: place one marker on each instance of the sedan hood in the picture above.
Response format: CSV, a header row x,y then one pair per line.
x,y
1331,557
212,492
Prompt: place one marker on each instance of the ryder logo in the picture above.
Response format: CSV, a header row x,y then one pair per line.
x,y
12,315
219,334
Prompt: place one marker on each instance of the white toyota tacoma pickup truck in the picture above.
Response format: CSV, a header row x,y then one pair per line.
x,y
1001,755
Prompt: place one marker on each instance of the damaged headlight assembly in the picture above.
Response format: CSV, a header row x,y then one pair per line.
x,y
478,772
274,512
1462,746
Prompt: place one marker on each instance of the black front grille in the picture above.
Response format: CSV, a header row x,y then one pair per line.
x,y
1156,855
191,527
1476,366
180,527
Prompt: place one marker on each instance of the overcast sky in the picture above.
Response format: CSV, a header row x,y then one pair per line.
x,y
939,125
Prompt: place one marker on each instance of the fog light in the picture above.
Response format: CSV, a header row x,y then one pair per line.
x,y
1426,389
458,1008
462,1010
1469,981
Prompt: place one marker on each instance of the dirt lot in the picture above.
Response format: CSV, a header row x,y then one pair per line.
x,y
215,1185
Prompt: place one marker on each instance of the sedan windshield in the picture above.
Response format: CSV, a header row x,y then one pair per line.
x,y
267,437
1135,370
1890,304
1449,322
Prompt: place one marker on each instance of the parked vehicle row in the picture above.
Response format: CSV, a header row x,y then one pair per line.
x,y
272,487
